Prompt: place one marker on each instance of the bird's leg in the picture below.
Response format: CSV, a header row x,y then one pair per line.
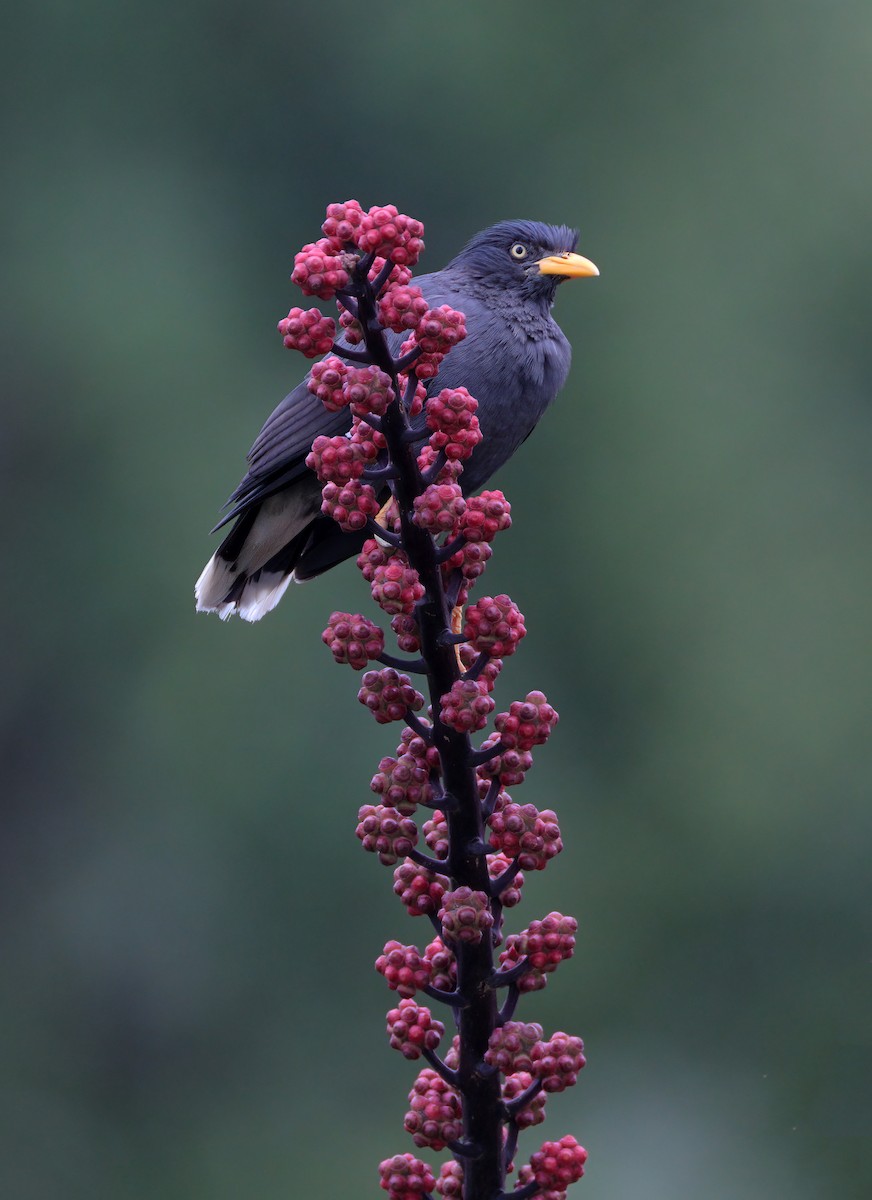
x,y
456,629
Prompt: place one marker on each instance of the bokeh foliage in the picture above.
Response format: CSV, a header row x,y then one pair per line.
x,y
188,1009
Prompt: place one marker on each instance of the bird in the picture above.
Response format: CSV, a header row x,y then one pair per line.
x,y
514,361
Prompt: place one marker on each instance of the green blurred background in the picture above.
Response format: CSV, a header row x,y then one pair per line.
x,y
188,1007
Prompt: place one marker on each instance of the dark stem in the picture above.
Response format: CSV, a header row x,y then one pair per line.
x,y
499,885
416,665
478,666
485,755
513,1107
512,975
381,534
511,1003
428,863
446,551
358,356
483,1113
439,1066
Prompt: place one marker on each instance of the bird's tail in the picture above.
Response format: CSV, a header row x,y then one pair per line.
x,y
250,571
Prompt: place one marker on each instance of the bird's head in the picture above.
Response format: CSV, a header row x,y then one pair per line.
x,y
524,256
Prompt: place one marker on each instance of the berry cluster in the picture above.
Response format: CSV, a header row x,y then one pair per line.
x,y
383,831
308,330
389,695
467,706
353,639
403,783
352,505
412,1028
465,916
395,471
420,890
434,1118
521,831
320,271
451,416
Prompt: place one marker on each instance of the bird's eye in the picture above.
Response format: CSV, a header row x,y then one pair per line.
x,y
518,251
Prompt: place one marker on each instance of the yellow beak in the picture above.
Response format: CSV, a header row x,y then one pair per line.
x,y
569,266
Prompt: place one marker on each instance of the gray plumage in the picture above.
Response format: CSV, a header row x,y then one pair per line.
x,y
514,360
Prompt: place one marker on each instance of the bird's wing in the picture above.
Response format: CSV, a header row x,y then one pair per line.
x,y
278,455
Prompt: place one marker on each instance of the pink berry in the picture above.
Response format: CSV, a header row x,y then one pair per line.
x,y
466,916
439,508
385,833
403,783
434,1118
486,516
420,890
308,331
389,695
466,707
511,1046
405,1177
494,624
351,504
319,270
326,380
522,832
558,1061
403,968
528,722
353,639
412,1028
342,222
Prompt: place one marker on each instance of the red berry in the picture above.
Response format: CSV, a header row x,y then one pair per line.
x,y
439,508
558,1061
533,1113
383,832
401,308
510,1047
494,624
434,1118
510,767
545,943
486,516
466,707
403,968
389,695
350,504
556,1165
342,222
436,834
419,889
390,234
528,722
521,831
451,416
353,639
406,629
438,330
403,783
319,270
395,585
405,1177
338,459
325,381
411,1029
497,865
466,916
449,1185
442,966
367,390
308,331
